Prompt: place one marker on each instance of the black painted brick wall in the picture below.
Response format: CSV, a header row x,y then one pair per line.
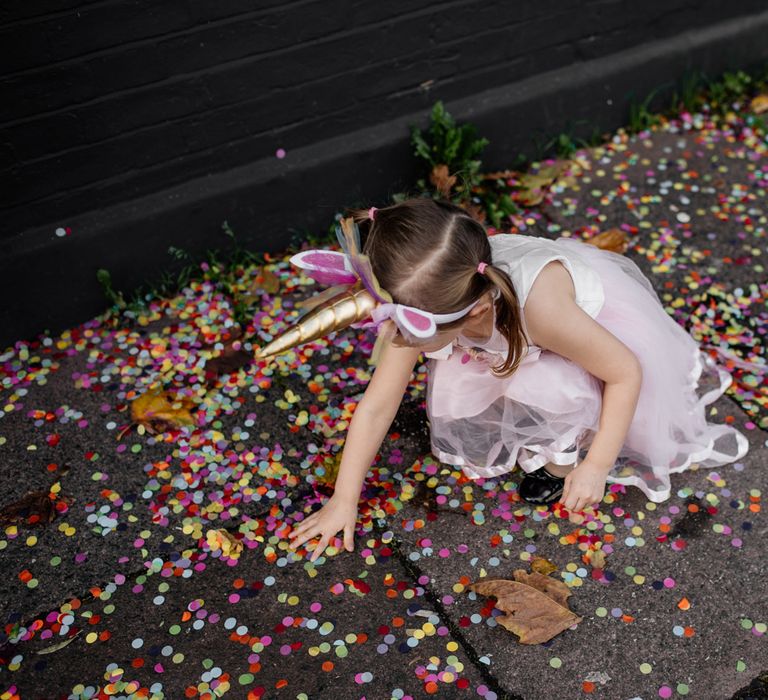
x,y
107,100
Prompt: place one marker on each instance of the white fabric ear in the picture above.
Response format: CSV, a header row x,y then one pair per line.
x,y
326,266
418,323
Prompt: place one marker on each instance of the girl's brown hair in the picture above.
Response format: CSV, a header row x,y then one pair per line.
x,y
425,253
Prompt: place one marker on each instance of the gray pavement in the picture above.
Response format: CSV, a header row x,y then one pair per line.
x,y
165,572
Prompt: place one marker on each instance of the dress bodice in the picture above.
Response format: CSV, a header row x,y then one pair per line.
x,y
522,258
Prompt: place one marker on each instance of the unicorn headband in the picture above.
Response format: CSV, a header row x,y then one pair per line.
x,y
355,296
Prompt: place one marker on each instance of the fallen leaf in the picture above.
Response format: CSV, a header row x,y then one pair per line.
x,y
535,605
476,211
230,359
759,104
267,280
614,239
441,179
555,589
596,558
34,508
542,566
534,186
159,411
58,645
229,545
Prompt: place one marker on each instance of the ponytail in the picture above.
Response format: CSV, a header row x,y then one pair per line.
x,y
508,320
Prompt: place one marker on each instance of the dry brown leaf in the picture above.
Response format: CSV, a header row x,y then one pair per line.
x,y
534,186
596,558
159,411
475,211
613,239
331,466
533,615
268,281
555,589
231,358
442,180
542,566
34,508
759,104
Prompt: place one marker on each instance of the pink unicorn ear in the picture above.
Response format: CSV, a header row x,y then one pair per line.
x,y
415,321
326,266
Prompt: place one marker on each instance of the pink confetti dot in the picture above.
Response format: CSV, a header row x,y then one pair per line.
x,y
669,582
665,691
280,153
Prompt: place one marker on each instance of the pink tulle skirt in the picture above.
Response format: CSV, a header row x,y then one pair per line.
x,y
549,409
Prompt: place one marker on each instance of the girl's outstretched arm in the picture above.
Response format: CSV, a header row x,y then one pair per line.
x,y
370,422
557,323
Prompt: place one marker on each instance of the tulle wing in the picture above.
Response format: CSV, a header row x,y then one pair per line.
x,y
349,238
326,266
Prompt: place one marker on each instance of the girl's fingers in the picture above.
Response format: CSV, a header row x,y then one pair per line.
x,y
303,525
348,539
304,536
321,545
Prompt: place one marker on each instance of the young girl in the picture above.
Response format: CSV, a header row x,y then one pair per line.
x,y
556,356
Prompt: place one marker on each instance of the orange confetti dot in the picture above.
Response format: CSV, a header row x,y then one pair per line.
x,y
684,604
689,632
397,622
430,687
588,687
281,683
327,666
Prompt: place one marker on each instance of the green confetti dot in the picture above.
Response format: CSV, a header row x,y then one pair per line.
x,y
245,679
601,612
555,662
55,561
174,629
136,448
646,668
746,623
682,689
741,666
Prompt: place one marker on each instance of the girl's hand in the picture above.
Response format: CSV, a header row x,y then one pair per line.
x,y
337,514
584,486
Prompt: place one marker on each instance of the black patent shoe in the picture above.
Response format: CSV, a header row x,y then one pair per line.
x,y
541,488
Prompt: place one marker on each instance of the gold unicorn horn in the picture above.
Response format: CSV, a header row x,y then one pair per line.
x,y
336,313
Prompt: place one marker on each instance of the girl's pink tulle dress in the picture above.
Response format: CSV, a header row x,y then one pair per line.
x,y
548,410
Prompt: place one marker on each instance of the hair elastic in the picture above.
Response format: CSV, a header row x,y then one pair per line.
x,y
481,267
371,212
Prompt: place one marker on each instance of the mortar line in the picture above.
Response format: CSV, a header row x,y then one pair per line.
x,y
415,573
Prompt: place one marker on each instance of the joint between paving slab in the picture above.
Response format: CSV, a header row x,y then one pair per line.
x,y
415,573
